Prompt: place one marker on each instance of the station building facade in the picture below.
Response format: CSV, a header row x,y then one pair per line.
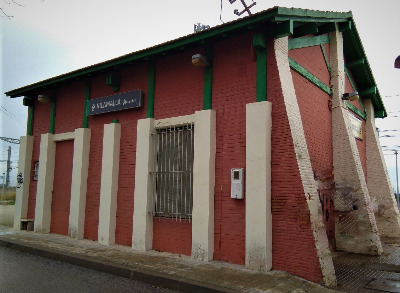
x,y
252,142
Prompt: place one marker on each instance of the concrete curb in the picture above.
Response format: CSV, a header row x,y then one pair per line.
x,y
149,277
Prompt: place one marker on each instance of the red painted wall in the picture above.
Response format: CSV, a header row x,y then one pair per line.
x,y
293,244
316,117
41,122
69,106
234,86
132,78
178,92
62,187
172,236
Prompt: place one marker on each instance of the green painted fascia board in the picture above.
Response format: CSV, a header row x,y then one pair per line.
x,y
312,13
355,110
308,42
354,50
144,55
309,76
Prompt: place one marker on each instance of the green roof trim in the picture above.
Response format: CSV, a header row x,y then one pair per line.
x,y
288,20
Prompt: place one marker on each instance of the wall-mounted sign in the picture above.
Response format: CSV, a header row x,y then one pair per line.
x,y
357,126
122,101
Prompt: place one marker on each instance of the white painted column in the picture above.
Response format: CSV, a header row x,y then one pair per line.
x,y
142,234
24,167
203,185
379,186
258,186
351,187
44,191
109,183
304,162
80,166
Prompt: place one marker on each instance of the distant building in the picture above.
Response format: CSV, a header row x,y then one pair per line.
x,y
252,142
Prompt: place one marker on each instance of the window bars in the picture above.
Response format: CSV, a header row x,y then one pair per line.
x,y
173,172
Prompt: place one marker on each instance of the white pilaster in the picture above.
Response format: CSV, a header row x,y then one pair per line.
x,y
44,191
142,234
109,183
304,162
203,185
80,166
24,168
351,187
379,186
258,186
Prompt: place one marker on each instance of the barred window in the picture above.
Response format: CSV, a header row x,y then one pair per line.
x,y
173,172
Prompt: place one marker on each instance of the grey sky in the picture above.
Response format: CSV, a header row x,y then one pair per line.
x,y
50,37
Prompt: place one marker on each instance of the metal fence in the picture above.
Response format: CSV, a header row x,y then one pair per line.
x,y
173,172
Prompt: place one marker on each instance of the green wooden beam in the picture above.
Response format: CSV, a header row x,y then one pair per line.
x,y
326,59
86,102
29,127
355,110
327,28
355,63
345,26
52,116
280,30
309,76
208,78
259,41
307,42
114,81
368,91
260,45
151,80
353,85
306,29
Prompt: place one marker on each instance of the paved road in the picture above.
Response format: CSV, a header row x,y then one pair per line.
x,y
24,273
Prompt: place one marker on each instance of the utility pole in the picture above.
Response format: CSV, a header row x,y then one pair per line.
x,y
8,167
397,181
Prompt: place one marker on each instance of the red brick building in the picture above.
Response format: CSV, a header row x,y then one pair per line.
x,y
252,143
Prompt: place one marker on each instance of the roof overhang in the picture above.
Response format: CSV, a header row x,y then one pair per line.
x,y
275,22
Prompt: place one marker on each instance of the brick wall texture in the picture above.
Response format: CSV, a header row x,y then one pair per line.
x,y
179,91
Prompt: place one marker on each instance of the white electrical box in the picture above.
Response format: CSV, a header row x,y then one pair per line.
x,y
237,183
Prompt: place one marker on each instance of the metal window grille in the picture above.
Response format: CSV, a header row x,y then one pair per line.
x,y
36,170
173,172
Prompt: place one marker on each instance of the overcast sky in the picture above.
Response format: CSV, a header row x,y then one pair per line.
x,y
44,38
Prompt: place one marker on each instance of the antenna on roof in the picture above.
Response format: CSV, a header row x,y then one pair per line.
x,y
246,8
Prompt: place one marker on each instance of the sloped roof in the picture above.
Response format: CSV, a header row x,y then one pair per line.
x,y
278,21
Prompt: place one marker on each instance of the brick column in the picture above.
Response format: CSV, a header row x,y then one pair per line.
x,y
304,162
355,226
379,186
